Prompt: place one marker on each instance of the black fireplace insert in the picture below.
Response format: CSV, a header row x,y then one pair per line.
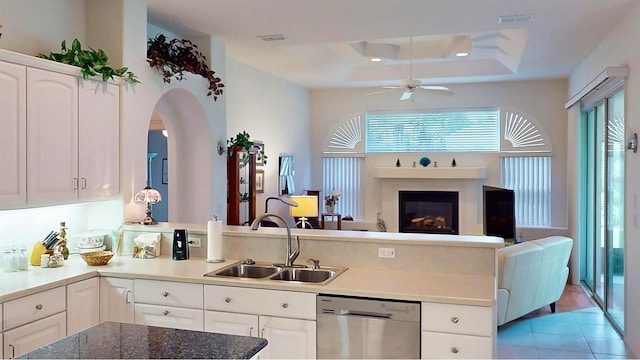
x,y
428,212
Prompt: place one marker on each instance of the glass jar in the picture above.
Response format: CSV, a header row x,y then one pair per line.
x,y
23,259
6,259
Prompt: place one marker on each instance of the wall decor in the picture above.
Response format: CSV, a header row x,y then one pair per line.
x,y
260,181
261,159
165,171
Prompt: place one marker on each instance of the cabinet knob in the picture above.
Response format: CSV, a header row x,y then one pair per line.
x,y
165,294
455,320
454,350
227,300
39,306
165,312
285,305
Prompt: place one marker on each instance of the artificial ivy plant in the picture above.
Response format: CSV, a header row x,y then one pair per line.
x,y
172,58
244,141
92,62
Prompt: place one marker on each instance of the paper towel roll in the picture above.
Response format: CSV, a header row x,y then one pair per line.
x,y
214,241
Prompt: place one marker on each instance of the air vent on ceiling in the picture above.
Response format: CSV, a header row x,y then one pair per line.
x,y
273,37
514,19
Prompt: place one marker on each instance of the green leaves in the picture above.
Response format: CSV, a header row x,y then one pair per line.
x,y
243,140
92,62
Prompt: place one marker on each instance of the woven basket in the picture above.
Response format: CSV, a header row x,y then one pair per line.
x,y
96,258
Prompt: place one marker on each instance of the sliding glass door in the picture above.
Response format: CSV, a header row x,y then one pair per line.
x,y
603,244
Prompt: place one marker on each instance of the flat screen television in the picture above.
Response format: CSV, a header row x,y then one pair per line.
x,y
499,215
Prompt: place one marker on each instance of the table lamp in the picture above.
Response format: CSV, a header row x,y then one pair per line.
x,y
149,196
307,207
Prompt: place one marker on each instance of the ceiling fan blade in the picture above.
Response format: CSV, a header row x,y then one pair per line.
x,y
434,87
380,92
406,95
440,90
392,87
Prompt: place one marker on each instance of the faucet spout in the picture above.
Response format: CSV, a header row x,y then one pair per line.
x,y
290,255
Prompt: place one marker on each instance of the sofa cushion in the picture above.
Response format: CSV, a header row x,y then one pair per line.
x,y
553,270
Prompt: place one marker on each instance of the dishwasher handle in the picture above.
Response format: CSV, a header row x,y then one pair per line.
x,y
368,314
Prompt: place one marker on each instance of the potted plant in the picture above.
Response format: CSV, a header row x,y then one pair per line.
x,y
92,62
331,200
244,141
172,58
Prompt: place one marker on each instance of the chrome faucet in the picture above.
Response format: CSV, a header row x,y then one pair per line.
x,y
290,256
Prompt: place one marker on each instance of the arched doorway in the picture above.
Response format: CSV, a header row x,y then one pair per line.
x,y
188,157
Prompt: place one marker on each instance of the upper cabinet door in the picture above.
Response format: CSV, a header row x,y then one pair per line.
x,y
99,129
13,134
52,108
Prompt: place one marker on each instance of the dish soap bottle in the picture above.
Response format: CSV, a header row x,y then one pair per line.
x,y
64,250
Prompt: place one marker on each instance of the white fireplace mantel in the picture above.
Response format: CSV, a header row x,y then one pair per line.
x,y
430,173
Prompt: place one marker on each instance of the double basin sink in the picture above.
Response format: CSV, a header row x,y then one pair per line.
x,y
277,272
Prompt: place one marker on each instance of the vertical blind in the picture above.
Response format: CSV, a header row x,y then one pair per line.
x,y
530,178
439,131
343,173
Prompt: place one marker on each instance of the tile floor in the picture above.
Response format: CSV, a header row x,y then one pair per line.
x,y
579,334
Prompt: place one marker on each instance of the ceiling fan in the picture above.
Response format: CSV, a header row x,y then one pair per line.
x,y
411,85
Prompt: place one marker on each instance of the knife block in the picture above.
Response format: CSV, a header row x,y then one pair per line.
x,y
37,251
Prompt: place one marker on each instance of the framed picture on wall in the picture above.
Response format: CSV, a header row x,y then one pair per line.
x,y
259,181
260,146
165,171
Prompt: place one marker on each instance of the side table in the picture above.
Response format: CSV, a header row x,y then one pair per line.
x,y
331,216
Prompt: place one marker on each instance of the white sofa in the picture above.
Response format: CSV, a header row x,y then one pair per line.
x,y
531,275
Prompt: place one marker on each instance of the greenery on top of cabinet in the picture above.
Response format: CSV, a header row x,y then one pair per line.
x,y
92,62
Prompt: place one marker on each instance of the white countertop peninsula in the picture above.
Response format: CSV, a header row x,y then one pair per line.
x,y
429,268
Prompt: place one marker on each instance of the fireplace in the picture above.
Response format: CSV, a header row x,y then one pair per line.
x,y
428,212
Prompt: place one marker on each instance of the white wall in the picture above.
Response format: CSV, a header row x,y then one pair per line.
x,y
541,99
274,111
619,49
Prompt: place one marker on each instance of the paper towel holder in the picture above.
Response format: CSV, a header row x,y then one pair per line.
x,y
213,261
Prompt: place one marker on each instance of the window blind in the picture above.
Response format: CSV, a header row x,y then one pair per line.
x,y
441,131
530,178
343,173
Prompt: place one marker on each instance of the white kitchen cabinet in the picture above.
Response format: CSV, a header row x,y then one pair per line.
x,y
452,331
26,338
285,318
169,304
13,134
83,305
231,323
99,139
288,338
52,137
116,300
33,307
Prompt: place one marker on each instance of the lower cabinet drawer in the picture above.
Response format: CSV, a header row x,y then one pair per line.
x,y
34,307
448,346
171,317
458,319
168,293
289,304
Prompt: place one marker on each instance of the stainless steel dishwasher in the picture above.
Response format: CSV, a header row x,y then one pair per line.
x,y
359,328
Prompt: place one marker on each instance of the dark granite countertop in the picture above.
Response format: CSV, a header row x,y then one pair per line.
x,y
111,340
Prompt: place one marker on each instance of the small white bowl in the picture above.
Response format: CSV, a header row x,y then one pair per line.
x,y
89,240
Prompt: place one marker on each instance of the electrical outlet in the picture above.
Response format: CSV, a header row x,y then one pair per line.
x,y
195,242
389,253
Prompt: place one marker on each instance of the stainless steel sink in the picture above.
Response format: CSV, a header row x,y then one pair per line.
x,y
306,275
247,270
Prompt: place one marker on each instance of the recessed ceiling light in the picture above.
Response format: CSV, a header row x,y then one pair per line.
x,y
375,59
462,54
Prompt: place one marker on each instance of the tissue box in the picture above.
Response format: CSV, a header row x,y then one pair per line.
x,y
147,245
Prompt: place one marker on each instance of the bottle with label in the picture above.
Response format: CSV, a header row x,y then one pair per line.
x,y
64,250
